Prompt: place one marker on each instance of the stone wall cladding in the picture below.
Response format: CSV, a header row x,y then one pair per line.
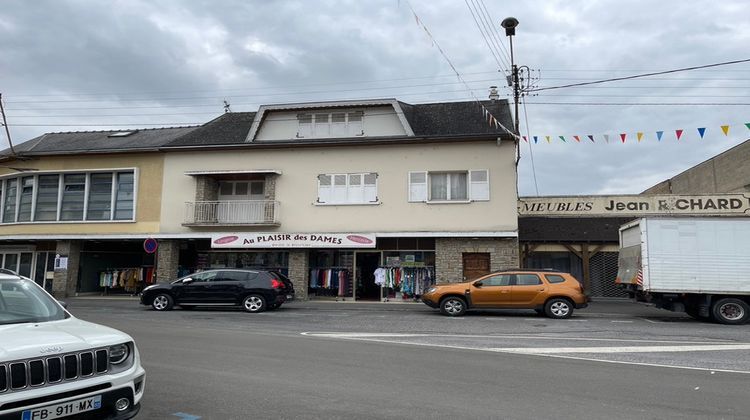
x,y
299,262
65,281
270,187
449,255
167,260
206,188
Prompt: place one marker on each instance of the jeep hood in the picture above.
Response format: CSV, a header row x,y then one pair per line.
x,y
22,341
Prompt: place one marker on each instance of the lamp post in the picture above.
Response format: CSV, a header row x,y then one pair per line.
x,y
510,24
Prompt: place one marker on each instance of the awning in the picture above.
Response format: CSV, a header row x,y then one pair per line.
x,y
234,172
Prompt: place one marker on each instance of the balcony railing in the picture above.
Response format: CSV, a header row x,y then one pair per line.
x,y
250,212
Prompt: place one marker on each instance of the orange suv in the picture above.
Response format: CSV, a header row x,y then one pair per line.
x,y
553,293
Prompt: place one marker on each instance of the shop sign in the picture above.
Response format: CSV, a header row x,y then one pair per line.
x,y
636,205
293,240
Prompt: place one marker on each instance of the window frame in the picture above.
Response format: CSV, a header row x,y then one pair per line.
x,y
420,192
362,187
4,180
348,124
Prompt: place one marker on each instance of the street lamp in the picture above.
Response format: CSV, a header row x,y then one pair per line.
x,y
510,24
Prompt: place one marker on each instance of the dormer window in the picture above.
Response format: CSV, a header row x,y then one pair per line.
x,y
330,124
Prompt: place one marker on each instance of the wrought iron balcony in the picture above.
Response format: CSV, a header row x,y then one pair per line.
x,y
213,213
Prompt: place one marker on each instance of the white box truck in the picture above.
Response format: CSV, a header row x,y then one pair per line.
x,y
700,266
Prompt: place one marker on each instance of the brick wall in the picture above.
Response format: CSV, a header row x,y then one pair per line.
x,y
167,260
298,269
206,188
449,255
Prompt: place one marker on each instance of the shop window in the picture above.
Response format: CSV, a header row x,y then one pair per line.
x,y
356,188
455,186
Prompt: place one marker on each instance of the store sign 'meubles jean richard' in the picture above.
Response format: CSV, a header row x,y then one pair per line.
x,y
636,205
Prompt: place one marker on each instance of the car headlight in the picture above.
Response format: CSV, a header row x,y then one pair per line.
x,y
432,289
118,353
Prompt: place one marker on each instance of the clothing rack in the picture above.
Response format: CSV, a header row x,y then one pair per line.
x,y
409,281
110,278
331,281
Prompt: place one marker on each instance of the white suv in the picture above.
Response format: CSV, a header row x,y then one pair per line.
x,y
53,365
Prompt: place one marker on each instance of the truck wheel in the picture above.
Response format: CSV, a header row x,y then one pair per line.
x,y
558,308
453,306
731,311
162,302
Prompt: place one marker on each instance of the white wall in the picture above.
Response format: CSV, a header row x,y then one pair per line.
x,y
296,187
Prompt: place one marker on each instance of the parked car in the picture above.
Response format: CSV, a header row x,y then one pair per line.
x,y
252,290
555,294
53,365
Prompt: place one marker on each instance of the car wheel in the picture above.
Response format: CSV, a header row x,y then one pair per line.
x,y
558,308
162,302
254,303
453,306
731,311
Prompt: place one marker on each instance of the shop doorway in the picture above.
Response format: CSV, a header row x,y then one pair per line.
x,y
367,263
476,264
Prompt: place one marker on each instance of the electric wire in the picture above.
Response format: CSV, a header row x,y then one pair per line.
x,y
497,36
486,41
531,151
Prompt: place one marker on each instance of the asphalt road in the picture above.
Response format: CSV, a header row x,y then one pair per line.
x,y
392,361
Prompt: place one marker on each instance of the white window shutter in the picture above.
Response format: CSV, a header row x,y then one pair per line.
x,y
480,185
417,186
371,187
325,188
339,188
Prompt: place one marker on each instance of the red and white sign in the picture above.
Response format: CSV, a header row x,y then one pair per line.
x,y
293,240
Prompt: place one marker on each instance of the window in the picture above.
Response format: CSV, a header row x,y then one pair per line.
x,y
46,197
205,276
330,124
9,207
449,186
527,279
499,280
554,278
348,188
124,196
69,197
74,194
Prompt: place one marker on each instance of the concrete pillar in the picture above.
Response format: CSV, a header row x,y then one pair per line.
x,y
65,280
167,260
206,188
299,263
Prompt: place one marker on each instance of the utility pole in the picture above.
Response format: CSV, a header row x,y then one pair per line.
x,y
5,124
510,30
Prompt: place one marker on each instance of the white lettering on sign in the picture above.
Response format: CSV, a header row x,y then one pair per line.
x,y
636,205
293,240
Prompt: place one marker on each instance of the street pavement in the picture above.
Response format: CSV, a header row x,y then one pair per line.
x,y
308,360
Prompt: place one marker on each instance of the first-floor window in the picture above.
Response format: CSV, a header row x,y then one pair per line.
x,y
449,186
348,188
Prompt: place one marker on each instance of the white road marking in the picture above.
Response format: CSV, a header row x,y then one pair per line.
x,y
623,322
359,335
617,350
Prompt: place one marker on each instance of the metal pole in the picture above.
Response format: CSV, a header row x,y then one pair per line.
x,y
5,123
516,89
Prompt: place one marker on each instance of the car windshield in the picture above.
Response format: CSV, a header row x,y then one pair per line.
x,y
22,301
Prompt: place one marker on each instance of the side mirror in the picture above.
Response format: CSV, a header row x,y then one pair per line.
x,y
63,304
478,284
187,280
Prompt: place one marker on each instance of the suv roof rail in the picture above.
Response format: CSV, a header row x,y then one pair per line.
x,y
533,270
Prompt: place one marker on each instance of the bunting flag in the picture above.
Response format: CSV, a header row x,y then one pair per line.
x,y
563,139
678,133
659,134
725,129
747,125
547,137
702,131
591,138
606,138
639,135
622,137
578,139
536,139
525,139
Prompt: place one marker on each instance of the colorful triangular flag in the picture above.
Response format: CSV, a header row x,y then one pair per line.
x,y
563,139
725,129
702,131
536,139
622,137
678,133
639,135
591,138
578,139
525,139
606,138
659,134
547,137
747,125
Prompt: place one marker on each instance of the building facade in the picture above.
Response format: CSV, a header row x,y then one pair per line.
x,y
327,193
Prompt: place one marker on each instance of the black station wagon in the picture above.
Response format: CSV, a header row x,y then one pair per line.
x,y
252,290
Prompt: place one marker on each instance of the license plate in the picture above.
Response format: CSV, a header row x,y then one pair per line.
x,y
64,409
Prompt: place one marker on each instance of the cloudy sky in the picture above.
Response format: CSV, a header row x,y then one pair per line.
x,y
72,65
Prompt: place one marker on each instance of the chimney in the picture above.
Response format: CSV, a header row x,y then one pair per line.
x,y
493,93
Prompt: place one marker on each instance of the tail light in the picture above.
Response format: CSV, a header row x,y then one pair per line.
x,y
276,284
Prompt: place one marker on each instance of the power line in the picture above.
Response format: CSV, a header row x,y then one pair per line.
x,y
503,65
496,34
528,140
642,75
